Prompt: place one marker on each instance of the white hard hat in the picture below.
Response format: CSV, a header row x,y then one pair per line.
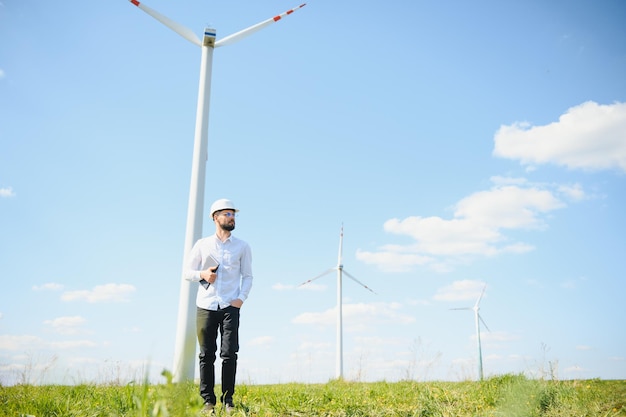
x,y
222,204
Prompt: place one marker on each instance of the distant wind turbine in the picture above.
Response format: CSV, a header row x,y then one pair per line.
x,y
340,272
477,320
185,348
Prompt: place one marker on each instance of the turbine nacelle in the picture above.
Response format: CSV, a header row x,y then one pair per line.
x,y
209,38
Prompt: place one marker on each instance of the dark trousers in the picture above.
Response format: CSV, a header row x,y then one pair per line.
x,y
208,322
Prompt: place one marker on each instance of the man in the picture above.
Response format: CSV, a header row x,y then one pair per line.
x,y
222,264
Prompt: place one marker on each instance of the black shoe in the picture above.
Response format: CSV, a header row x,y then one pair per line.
x,y
229,407
208,408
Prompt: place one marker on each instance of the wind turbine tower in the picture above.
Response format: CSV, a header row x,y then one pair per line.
x,y
185,348
340,272
477,320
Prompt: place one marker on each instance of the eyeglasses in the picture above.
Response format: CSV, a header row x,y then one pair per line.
x,y
227,214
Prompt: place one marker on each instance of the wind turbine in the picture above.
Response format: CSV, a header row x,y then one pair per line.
x,y
340,272
477,320
185,348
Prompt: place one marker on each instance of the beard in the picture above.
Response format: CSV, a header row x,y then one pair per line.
x,y
229,227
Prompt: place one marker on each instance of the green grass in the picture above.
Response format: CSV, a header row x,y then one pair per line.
x,y
507,395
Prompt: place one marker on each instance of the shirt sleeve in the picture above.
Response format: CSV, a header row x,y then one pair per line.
x,y
193,263
246,273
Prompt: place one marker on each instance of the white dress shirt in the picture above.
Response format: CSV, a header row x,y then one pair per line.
x,y
234,275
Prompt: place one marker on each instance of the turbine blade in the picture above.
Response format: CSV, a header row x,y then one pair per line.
x,y
176,27
340,257
483,322
462,308
354,279
319,276
250,30
481,296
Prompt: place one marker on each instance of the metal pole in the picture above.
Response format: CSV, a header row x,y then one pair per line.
x,y
185,348
339,369
480,353
339,360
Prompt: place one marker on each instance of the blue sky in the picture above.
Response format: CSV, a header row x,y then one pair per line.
x,y
460,144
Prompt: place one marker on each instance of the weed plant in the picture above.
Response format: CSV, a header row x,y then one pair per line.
x,y
501,396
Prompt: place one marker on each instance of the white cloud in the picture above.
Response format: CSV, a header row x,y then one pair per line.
x,y
2,73
327,317
6,191
573,283
315,346
460,290
507,207
262,341
477,228
589,136
569,285
72,344
393,258
19,343
492,337
357,317
574,192
101,293
282,287
24,343
50,286
312,287
66,325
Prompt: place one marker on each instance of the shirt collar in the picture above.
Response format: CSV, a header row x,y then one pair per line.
x,y
229,238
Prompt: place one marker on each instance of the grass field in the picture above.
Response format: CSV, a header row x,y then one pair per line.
x,y
507,395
